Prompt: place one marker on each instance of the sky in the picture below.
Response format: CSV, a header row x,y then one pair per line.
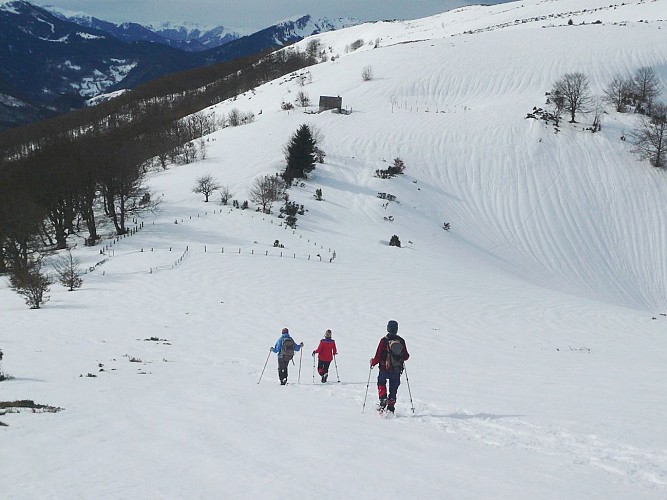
x,y
536,324
251,14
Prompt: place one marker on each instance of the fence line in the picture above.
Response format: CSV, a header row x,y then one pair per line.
x,y
221,250
109,251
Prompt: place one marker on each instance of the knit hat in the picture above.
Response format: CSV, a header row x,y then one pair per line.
x,y
285,330
392,326
327,334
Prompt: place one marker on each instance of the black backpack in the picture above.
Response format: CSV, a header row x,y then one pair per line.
x,y
287,349
395,355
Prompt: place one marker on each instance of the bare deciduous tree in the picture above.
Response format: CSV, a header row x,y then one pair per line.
x,y
617,93
302,98
225,194
187,153
598,111
234,118
575,91
650,138
205,185
646,85
267,190
203,148
313,48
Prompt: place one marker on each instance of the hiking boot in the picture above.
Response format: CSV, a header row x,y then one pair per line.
x,y
383,403
324,377
390,405
283,381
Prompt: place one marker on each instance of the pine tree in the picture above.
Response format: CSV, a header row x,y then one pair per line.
x,y
300,154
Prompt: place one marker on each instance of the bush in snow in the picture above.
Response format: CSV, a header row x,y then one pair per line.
x,y
396,169
394,242
367,73
32,284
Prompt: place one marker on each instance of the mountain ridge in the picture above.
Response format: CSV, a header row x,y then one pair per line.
x,y
50,65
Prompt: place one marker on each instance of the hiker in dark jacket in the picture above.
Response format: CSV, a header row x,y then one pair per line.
x,y
285,348
390,356
325,354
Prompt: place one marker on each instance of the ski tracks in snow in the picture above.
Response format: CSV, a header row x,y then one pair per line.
x,y
629,464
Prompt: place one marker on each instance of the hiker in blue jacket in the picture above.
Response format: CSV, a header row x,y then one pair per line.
x,y
285,348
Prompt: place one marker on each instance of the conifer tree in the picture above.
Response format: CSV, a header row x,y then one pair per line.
x,y
300,154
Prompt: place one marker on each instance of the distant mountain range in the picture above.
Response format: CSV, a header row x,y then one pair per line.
x,y
188,37
51,63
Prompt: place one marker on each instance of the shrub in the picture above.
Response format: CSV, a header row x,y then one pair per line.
x,y
396,169
291,209
356,44
32,284
367,73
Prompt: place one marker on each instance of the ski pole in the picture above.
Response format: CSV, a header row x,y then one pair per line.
x,y
267,361
367,384
336,365
300,357
409,391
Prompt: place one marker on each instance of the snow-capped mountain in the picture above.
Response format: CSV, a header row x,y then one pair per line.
x,y
304,26
194,37
51,63
56,64
187,36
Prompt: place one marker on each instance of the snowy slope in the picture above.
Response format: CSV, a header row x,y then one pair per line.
x,y
537,370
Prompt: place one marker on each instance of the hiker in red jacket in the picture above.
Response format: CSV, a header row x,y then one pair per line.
x,y
390,356
325,353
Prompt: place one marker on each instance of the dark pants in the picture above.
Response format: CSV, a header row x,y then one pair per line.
x,y
282,368
394,379
323,367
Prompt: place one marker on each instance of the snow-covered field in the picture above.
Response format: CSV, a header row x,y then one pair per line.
x,y
535,325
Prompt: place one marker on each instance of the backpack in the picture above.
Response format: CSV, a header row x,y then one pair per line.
x,y
395,355
287,349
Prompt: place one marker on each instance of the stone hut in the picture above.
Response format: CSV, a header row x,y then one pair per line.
x,y
328,102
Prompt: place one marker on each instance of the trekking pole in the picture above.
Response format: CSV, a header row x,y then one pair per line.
x,y
367,384
313,368
336,365
409,391
267,361
300,357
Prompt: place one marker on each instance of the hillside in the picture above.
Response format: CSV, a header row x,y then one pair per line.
x,y
535,324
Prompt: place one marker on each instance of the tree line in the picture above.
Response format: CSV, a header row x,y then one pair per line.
x,y
639,92
69,174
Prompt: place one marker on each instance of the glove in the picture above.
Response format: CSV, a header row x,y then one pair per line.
x,y
371,361
313,353
301,344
